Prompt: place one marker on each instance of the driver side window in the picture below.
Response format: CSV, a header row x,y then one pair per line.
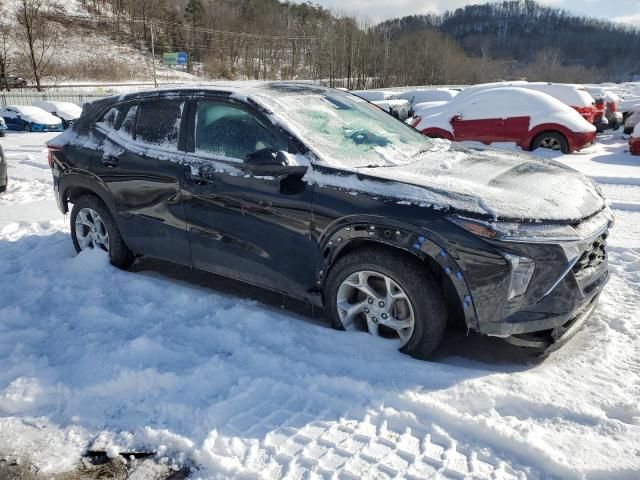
x,y
229,131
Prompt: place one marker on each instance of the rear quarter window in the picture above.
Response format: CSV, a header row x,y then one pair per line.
x,y
108,120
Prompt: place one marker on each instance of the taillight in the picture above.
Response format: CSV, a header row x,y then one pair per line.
x,y
416,121
612,107
50,155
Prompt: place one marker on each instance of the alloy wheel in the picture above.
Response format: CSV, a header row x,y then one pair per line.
x,y
91,231
550,143
373,302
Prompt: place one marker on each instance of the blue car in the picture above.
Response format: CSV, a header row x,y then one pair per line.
x,y
30,119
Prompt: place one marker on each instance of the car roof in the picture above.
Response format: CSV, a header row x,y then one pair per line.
x,y
237,88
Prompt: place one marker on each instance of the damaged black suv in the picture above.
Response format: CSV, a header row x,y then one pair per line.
x,y
317,194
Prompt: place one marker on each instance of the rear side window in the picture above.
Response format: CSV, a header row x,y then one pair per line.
x,y
108,120
158,123
232,132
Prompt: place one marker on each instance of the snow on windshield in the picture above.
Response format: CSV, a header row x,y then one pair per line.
x,y
345,131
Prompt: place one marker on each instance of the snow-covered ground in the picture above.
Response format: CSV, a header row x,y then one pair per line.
x,y
95,357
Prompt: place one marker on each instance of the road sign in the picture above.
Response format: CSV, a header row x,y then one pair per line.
x,y
174,58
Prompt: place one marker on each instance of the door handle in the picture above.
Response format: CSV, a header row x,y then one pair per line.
x,y
110,161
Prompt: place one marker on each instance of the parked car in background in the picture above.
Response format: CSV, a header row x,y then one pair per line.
x,y
394,234
13,81
529,118
65,111
574,96
3,127
600,119
634,141
387,101
30,119
428,95
397,108
612,102
376,95
4,179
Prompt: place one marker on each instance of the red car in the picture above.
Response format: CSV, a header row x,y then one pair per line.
x,y
634,141
529,118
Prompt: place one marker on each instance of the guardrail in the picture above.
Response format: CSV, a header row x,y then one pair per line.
x,y
21,97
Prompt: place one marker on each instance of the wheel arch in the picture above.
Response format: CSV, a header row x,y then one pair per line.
x,y
548,128
74,185
434,132
425,248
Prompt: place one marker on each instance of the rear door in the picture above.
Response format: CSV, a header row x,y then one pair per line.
x,y
139,162
255,228
476,122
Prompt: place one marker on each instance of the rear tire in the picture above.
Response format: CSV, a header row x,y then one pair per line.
x,y
414,286
551,141
119,253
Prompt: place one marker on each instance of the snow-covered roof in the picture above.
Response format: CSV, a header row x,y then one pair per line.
x,y
572,95
428,95
66,110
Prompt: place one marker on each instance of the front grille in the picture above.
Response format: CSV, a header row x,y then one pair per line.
x,y
591,259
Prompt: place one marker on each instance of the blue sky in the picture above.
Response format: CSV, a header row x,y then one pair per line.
x,y
627,11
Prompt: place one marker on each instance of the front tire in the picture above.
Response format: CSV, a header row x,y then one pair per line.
x,y
387,294
93,226
551,141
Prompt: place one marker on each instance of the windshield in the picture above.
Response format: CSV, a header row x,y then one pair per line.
x,y
344,130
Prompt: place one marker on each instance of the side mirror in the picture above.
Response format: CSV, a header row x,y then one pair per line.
x,y
269,162
457,117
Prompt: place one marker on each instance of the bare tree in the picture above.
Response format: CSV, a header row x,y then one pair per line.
x,y
39,36
5,55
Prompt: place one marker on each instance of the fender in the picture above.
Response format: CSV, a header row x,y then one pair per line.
x,y
85,180
421,243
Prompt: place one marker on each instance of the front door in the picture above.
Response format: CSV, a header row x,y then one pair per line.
x,y
255,228
139,162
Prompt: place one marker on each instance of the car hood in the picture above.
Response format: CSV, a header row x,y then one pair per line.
x,y
494,183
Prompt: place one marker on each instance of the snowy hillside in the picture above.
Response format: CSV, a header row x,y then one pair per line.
x,y
84,50
174,362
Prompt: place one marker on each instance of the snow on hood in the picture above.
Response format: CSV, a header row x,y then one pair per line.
x,y
33,114
487,182
66,110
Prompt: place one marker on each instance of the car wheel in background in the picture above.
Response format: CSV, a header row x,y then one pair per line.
x,y
388,295
552,141
93,226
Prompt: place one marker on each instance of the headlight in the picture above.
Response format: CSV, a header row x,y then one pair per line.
x,y
536,232
522,269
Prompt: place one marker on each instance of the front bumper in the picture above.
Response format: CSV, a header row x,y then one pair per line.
x,y
39,127
567,280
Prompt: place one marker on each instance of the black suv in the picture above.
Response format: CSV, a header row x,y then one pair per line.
x,y
317,194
